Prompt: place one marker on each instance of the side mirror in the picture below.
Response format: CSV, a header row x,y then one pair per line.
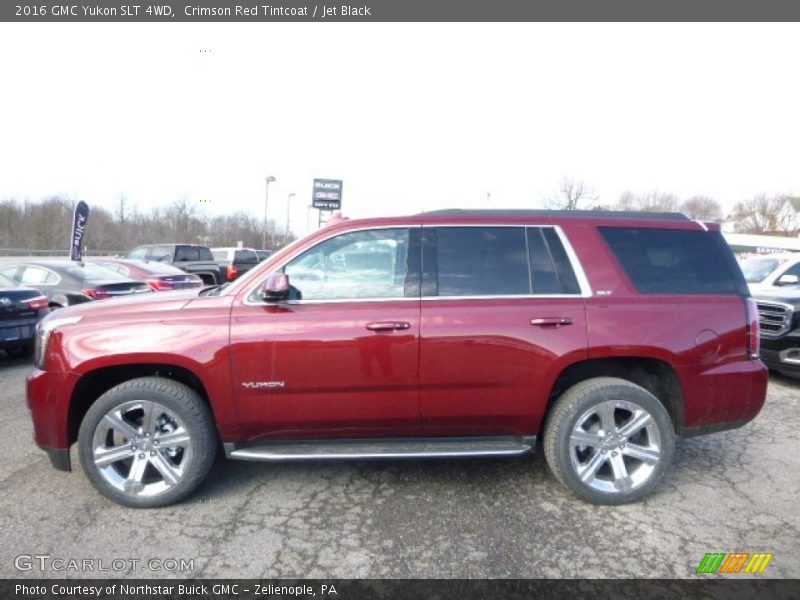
x,y
788,280
275,288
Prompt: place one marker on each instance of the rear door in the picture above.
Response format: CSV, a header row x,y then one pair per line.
x,y
502,312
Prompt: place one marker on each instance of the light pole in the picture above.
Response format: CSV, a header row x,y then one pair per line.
x,y
270,179
288,202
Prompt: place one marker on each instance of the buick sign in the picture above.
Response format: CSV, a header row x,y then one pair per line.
x,y
327,194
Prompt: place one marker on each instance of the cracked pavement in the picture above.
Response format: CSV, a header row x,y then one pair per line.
x,y
727,492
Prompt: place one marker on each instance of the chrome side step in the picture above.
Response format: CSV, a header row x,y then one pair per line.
x,y
381,448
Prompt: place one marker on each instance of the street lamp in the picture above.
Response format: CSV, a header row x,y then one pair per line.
x,y
270,179
288,202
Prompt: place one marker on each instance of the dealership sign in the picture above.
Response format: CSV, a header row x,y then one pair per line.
x,y
327,194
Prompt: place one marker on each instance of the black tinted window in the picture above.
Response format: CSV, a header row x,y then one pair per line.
x,y
482,261
193,253
673,261
544,279
566,276
245,256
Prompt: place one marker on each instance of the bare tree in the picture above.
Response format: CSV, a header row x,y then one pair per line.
x,y
652,201
571,195
702,208
767,214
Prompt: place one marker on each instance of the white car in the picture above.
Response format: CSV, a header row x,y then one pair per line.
x,y
771,271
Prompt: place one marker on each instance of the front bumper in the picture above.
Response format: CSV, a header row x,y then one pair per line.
x,y
48,394
782,354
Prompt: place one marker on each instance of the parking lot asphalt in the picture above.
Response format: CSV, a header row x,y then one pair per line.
x,y
727,492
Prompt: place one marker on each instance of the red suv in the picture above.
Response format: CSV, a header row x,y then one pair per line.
x,y
453,333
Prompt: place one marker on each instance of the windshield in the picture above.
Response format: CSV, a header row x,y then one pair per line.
x,y
6,282
757,270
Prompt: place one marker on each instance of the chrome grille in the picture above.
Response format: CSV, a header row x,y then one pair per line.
x,y
774,318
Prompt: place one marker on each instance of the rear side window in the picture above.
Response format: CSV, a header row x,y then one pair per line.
x,y
482,261
159,253
192,253
245,256
675,261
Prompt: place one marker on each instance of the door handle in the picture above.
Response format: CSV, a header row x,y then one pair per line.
x,y
388,325
551,321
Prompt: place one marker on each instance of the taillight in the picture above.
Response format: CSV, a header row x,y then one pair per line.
x,y
37,303
159,285
233,272
753,329
95,294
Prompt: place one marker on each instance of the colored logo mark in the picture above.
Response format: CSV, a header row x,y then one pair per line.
x,y
734,562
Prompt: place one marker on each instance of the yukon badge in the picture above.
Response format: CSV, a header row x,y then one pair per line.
x,y
258,385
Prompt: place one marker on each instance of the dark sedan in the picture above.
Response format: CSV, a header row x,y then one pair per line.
x,y
159,276
66,283
20,309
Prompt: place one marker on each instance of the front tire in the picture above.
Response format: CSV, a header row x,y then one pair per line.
x,y
609,441
147,442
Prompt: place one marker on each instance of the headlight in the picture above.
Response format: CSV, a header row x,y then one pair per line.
x,y
43,331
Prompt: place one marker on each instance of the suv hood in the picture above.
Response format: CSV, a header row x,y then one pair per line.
x,y
125,305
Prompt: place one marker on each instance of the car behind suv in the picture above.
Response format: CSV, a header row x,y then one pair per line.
x,y
189,258
779,313
598,337
234,262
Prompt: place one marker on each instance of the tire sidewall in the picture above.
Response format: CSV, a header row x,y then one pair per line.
x,y
183,402
582,400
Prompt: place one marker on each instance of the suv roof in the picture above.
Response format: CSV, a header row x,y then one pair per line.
x,y
512,212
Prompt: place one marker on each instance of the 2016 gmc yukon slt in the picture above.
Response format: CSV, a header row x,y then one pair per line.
x,y
601,336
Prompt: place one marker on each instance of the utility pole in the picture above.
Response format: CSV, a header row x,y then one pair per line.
x,y
270,179
288,206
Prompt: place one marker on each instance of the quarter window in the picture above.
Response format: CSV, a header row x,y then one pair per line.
x,y
352,266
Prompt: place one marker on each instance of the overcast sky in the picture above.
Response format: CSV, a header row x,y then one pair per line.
x,y
411,116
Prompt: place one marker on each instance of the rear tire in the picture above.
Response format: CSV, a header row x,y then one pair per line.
x,y
147,442
609,441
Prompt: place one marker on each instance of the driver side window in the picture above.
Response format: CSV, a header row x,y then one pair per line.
x,y
352,266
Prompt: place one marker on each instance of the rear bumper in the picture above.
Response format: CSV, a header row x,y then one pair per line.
x,y
724,397
27,333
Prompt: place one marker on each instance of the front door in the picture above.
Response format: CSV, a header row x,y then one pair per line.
x,y
341,357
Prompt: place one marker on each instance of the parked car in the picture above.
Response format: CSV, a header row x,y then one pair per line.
x,y
190,258
771,271
159,276
21,308
66,283
453,333
779,314
264,254
235,261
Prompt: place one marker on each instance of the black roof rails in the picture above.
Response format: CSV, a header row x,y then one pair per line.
x,y
514,212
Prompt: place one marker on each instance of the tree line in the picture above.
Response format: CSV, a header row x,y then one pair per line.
x,y
763,214
44,225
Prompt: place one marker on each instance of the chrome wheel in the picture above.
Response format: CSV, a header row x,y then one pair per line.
x,y
615,446
141,448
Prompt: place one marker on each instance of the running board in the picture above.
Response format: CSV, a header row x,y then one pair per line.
x,y
381,448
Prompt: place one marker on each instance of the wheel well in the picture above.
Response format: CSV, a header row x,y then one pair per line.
x,y
656,376
95,383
